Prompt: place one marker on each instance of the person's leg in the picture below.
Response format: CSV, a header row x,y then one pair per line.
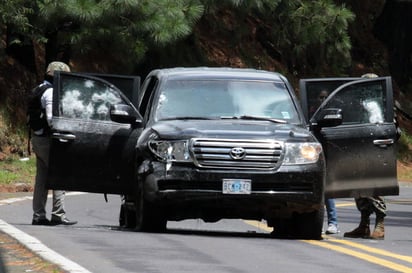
x,y
58,211
332,217
331,211
363,230
40,192
41,149
379,206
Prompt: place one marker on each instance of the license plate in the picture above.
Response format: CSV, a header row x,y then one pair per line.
x,y
237,186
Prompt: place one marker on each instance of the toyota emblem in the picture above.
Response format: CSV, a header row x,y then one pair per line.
x,y
238,153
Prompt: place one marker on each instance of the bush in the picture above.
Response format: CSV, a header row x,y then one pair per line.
x,y
405,148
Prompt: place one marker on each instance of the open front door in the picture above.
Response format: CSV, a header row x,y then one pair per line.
x,y
360,153
90,152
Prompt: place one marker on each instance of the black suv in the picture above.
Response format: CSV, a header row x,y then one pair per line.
x,y
215,143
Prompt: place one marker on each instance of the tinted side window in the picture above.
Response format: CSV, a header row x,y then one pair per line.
x,y
361,103
87,99
318,91
148,88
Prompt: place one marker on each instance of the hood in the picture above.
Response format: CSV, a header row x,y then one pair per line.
x,y
237,129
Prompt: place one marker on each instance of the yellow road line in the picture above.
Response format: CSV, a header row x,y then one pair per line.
x,y
345,204
259,225
362,256
371,249
354,253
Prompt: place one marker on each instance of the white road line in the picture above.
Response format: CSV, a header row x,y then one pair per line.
x,y
13,200
43,251
37,246
18,199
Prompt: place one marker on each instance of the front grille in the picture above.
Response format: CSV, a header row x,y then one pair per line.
x,y
216,186
238,154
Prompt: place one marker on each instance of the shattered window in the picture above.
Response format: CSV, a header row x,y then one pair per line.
x,y
362,103
87,99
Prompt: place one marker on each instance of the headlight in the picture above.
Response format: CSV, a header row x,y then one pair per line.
x,y
302,153
176,151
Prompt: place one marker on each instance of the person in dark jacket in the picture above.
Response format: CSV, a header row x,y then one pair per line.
x,y
41,147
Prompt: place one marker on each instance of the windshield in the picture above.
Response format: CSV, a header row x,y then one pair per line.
x,y
225,99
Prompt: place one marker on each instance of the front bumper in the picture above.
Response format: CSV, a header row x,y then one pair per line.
x,y
187,192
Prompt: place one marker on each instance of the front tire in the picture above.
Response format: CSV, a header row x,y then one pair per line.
x,y
306,226
149,217
309,225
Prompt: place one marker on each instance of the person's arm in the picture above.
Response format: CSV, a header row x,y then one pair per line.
x,y
47,103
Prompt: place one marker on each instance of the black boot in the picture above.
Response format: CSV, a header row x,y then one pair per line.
x,y
363,230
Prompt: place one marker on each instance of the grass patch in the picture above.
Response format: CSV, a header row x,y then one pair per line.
x,y
13,170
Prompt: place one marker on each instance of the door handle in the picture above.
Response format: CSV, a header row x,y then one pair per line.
x,y
64,137
383,142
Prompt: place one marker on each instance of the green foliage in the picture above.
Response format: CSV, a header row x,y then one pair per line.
x,y
129,26
15,13
308,35
12,137
243,5
405,147
312,35
7,177
303,34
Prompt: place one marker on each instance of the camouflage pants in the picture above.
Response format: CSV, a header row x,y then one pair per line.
x,y
372,204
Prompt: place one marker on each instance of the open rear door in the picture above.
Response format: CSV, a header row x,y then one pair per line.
x,y
361,152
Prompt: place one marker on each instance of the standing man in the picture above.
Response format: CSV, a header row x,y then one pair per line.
x,y
367,206
41,147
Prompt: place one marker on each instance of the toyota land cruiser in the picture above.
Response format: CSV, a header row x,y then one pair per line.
x,y
215,143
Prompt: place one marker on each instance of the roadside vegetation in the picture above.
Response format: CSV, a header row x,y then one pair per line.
x,y
17,170
405,157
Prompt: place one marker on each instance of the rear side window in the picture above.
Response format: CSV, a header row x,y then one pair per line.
x,y
87,98
361,103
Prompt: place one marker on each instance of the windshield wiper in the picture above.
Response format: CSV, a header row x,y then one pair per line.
x,y
246,117
187,117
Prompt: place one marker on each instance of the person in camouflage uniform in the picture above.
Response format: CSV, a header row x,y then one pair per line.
x,y
367,206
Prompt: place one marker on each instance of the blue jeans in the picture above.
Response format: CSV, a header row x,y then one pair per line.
x,y
331,211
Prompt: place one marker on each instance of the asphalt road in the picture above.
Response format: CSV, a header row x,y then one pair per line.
x,y
96,244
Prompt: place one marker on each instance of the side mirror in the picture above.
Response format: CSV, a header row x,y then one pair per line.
x,y
124,113
328,117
